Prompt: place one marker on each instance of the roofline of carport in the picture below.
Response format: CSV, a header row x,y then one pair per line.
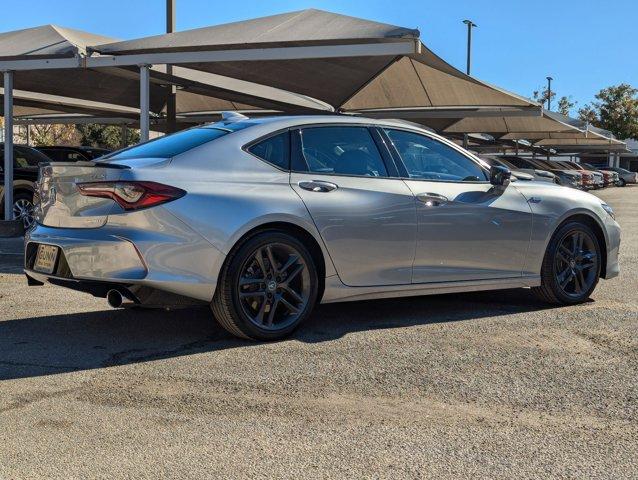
x,y
52,101
451,112
405,47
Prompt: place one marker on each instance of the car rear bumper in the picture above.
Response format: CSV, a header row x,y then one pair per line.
x,y
161,253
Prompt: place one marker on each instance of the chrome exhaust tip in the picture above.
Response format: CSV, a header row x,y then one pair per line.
x,y
116,299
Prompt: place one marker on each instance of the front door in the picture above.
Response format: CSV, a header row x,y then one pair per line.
x,y
366,218
468,229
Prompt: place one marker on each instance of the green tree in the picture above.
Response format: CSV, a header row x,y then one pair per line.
x,y
588,114
51,134
106,136
542,96
565,104
617,109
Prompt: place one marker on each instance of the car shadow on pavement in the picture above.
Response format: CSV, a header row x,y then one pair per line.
x,y
83,341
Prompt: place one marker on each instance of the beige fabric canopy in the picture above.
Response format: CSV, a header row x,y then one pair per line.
x,y
349,83
120,85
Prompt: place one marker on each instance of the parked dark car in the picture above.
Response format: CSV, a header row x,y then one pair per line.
x,y
72,154
26,161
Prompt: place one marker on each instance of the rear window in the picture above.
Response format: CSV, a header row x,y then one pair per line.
x,y
170,145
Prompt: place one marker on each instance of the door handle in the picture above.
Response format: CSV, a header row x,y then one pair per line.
x,y
432,199
318,186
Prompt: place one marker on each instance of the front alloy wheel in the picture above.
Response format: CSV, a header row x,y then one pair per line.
x,y
571,267
576,263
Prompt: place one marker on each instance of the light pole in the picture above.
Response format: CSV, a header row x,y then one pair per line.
x,y
549,93
470,25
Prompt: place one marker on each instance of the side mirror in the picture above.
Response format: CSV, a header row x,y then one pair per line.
x,y
500,176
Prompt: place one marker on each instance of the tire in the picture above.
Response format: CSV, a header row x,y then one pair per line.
x,y
622,183
255,301
561,273
23,208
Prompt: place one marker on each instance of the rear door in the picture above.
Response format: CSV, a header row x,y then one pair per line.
x,y
467,228
364,213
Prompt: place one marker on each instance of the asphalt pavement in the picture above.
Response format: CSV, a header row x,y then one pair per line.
x,y
482,385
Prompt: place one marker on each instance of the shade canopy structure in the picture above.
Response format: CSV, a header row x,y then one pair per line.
x,y
50,59
549,130
350,63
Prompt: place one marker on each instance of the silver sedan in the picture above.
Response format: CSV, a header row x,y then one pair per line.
x,y
263,218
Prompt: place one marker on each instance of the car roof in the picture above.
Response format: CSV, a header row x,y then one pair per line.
x,y
299,120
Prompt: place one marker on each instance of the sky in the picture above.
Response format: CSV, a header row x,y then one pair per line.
x,y
585,45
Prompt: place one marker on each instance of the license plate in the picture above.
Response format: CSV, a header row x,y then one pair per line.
x,y
45,259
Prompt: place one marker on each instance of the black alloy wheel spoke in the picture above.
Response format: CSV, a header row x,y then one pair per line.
x,y
576,263
274,286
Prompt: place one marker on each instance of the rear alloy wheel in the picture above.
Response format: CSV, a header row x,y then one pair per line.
x,y
23,209
571,267
267,287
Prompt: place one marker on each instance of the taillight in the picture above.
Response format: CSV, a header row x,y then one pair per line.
x,y
132,195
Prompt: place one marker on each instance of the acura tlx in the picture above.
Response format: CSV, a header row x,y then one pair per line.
x,y
264,218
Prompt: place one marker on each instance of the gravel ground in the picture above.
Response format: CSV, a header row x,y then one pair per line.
x,y
476,385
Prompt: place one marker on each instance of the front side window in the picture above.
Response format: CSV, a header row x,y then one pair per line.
x,y
340,151
274,150
428,159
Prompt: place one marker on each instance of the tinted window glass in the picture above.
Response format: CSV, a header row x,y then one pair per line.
x,y
54,155
429,159
520,162
273,150
27,157
341,151
545,166
170,145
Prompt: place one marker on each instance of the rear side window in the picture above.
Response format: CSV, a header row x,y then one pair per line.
x,y
274,150
340,151
428,159
170,145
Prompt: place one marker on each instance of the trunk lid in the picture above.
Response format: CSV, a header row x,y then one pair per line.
x,y
60,202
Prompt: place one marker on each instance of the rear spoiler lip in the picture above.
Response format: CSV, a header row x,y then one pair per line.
x,y
87,163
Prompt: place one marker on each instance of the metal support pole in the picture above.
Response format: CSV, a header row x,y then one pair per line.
x,y
549,93
516,143
124,135
171,100
144,103
8,145
468,65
